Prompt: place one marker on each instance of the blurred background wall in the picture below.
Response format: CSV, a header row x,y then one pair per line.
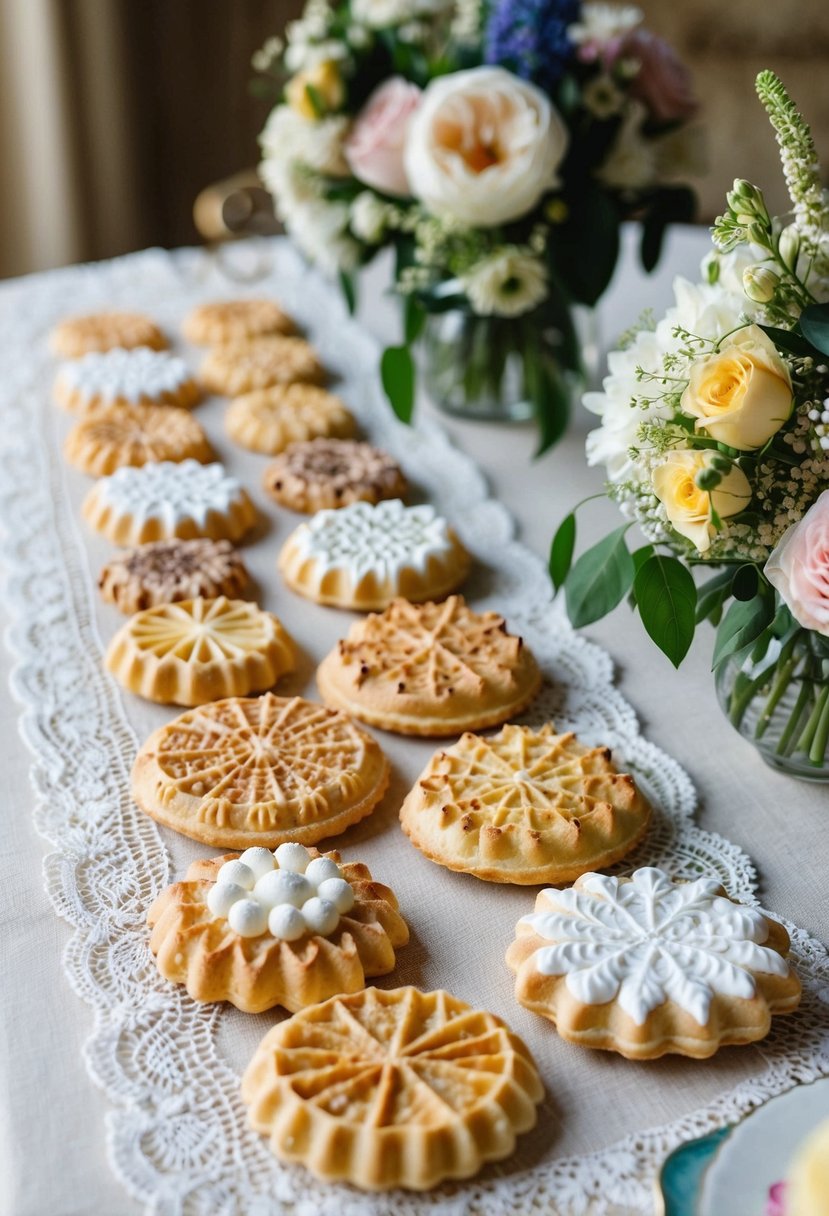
x,y
114,114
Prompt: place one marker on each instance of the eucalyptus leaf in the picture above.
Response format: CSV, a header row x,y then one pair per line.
x,y
745,583
666,597
741,626
814,325
398,376
600,579
561,550
789,340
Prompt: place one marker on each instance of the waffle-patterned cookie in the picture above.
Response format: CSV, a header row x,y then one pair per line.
x,y
524,806
124,377
77,336
332,473
386,1089
260,771
225,321
272,418
290,929
430,669
163,500
366,555
134,435
167,571
646,965
200,650
255,363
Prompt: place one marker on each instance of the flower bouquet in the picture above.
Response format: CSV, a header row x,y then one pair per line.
x,y
715,437
496,149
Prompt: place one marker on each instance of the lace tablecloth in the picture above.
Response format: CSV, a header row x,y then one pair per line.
x,y
177,1138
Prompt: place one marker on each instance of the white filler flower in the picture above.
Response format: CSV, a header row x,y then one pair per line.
x,y
505,284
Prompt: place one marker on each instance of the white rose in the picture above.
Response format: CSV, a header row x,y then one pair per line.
x,y
483,147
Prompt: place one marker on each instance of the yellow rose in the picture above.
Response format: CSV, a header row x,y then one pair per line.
x,y
687,506
316,91
742,395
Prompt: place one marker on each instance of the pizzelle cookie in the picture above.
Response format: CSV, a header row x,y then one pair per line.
x,y
101,379
272,418
332,473
166,571
396,1088
200,650
524,806
163,500
430,669
255,363
646,965
262,929
134,435
366,555
77,336
225,321
259,771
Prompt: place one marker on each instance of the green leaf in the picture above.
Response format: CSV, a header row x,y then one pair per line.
x,y
674,205
600,579
712,594
398,376
561,550
667,598
640,556
745,582
742,625
348,287
814,325
414,318
549,395
789,340
585,248
315,100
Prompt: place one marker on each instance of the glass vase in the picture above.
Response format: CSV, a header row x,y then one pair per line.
x,y
780,704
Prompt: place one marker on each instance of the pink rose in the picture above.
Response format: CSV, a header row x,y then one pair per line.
x,y
663,82
374,148
799,567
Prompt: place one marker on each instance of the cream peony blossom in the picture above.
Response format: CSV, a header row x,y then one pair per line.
x,y
688,508
505,284
483,147
799,567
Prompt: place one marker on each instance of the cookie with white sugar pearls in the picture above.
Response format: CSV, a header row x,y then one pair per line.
x,y
223,321
125,377
76,336
117,436
244,929
648,965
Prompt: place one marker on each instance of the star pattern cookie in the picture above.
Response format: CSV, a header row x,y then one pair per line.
x,y
524,806
260,929
134,435
646,965
166,571
260,771
256,363
272,418
200,650
77,336
365,555
397,1088
332,473
163,500
125,377
430,669
225,321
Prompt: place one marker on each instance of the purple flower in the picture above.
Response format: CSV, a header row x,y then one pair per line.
x,y
529,37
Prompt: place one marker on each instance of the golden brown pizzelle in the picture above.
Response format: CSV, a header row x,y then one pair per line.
x,y
255,363
167,571
223,321
77,336
332,473
134,435
270,419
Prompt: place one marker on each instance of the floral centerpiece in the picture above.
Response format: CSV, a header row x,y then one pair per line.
x,y
715,437
496,149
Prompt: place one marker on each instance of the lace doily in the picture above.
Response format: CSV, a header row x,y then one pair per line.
x,y
177,1134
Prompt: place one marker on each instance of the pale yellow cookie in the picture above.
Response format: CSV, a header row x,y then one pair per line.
x,y
162,500
200,650
524,806
225,321
134,435
259,771
386,1089
807,1189
258,929
272,418
332,473
101,379
646,965
256,363
167,571
367,554
77,336
430,669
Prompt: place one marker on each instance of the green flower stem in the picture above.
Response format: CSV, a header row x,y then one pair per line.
x,y
804,743
785,669
786,744
743,695
817,752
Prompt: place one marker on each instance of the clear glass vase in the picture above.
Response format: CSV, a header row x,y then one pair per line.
x,y
780,704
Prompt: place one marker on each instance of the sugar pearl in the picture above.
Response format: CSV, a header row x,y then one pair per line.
x,y
248,918
259,860
292,856
236,871
222,896
283,887
320,916
287,923
321,868
338,892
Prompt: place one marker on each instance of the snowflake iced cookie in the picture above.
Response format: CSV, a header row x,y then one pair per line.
x,y
332,473
162,500
124,377
270,419
235,320
646,965
200,650
397,1088
77,336
430,669
366,555
259,771
288,928
167,571
133,435
524,806
256,363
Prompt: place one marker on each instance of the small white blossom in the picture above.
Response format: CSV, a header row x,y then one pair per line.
x,y
506,283
368,217
601,24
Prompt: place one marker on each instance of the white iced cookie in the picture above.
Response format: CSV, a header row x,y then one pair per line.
x,y
116,377
367,554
